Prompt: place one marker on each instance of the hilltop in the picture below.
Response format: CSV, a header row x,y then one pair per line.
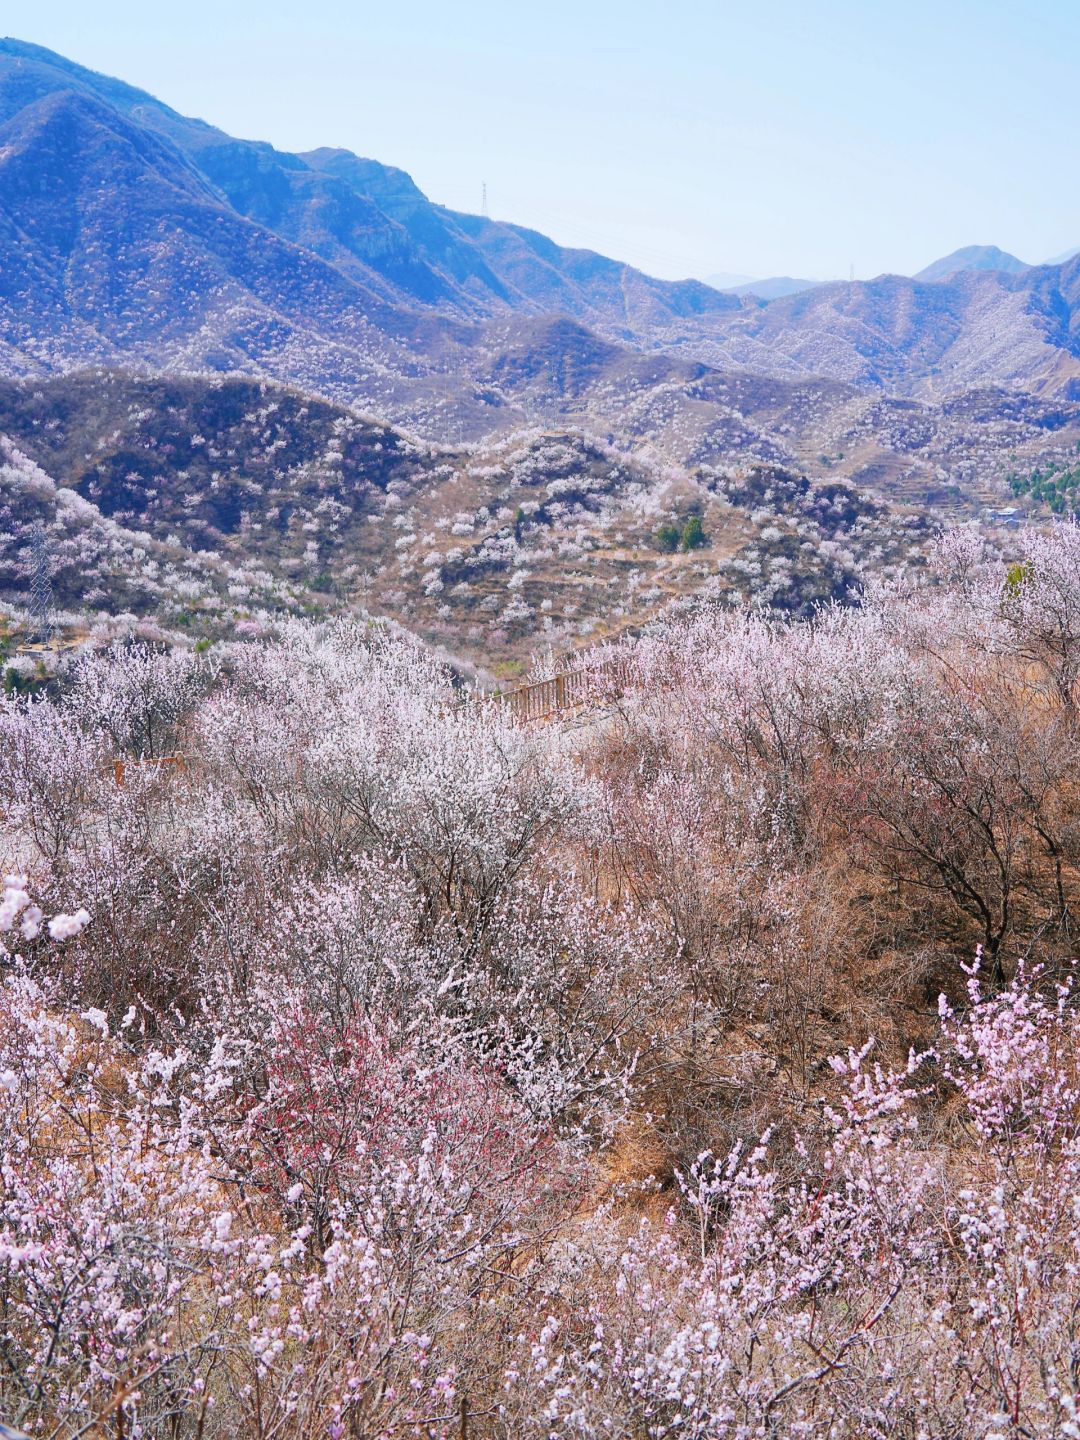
x,y
973,257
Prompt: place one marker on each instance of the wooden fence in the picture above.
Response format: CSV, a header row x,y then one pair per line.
x,y
569,690
164,764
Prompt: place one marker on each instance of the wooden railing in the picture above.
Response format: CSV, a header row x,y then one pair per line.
x,y
165,764
569,690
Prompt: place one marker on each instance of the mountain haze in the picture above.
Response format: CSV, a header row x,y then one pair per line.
x,y
727,280
774,288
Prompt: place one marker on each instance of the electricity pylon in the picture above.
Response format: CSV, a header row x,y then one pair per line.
x,y
40,613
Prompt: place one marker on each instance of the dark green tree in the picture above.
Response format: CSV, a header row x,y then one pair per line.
x,y
692,533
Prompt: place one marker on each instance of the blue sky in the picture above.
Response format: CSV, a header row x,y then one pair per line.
x,y
767,138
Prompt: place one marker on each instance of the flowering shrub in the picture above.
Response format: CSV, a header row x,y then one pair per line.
x,y
140,1275
397,1069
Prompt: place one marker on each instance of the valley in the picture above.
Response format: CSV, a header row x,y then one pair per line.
x,y
309,388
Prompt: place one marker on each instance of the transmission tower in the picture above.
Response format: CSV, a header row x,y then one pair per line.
x,y
40,614
483,201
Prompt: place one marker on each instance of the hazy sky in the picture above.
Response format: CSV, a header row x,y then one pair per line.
x,y
777,137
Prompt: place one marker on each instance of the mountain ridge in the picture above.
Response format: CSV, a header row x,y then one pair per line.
x,y
154,240
776,287
279,190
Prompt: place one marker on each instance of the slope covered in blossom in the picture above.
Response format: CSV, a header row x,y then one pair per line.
x,y
549,534
396,1069
106,577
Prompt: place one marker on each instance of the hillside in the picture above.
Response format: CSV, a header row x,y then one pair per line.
x,y
703,1062
221,500
547,536
371,222
955,451
107,578
913,338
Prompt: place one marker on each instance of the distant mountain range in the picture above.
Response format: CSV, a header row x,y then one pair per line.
x,y
133,236
970,257
727,280
366,220
773,288
196,332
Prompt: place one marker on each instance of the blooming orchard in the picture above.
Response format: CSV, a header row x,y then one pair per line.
x,y
708,1069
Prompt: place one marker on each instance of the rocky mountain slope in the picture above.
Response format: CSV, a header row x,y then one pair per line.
x,y
134,235
915,338
370,221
